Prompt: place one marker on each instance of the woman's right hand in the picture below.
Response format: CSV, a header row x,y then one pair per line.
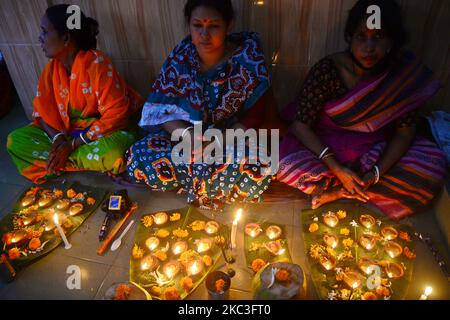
x,y
352,183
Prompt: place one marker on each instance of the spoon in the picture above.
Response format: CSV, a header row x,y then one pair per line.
x,y
116,244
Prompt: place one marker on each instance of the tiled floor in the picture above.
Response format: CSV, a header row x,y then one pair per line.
x,y
47,278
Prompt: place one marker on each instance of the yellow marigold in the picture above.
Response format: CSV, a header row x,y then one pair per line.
x,y
175,217
58,193
137,252
341,214
207,260
162,233
198,225
347,242
345,231
313,227
147,221
155,291
180,233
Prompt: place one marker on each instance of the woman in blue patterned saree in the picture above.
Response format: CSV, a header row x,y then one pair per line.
x,y
219,80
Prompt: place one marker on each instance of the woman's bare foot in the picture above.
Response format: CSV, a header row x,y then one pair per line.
x,y
327,197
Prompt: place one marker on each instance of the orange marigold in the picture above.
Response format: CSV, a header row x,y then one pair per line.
x,y
187,284
207,260
369,296
71,193
283,275
404,236
122,292
90,201
220,285
34,244
172,293
257,264
383,291
14,254
409,253
161,255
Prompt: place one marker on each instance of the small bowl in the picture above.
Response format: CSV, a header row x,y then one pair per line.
x,y
211,284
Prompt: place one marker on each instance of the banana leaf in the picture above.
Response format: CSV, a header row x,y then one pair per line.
x,y
255,247
154,278
50,240
328,284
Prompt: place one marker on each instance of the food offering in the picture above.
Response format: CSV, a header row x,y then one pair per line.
x,y
39,216
356,254
174,251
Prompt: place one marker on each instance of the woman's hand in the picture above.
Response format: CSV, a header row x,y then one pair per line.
x,y
58,142
59,157
352,183
369,179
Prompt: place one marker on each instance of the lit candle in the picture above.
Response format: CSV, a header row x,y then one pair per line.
x,y
152,243
204,245
18,237
171,269
234,228
367,221
331,219
331,240
368,241
389,233
427,293
28,201
148,263
394,270
393,249
212,227
327,262
253,229
67,245
179,247
275,248
194,267
273,232
160,218
352,280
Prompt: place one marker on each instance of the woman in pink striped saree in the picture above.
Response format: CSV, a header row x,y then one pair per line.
x,y
356,118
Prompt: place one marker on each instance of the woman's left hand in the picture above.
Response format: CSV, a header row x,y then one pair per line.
x,y
369,179
59,157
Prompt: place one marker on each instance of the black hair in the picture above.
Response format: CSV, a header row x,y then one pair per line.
x,y
85,37
224,7
391,21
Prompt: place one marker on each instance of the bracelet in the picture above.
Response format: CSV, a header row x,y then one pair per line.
x,y
56,137
185,131
83,139
377,174
328,155
323,153
73,144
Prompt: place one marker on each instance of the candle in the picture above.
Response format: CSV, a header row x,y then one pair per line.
x,y
331,219
194,267
67,245
234,228
160,218
367,221
28,201
28,220
394,270
393,249
148,263
328,262
253,230
18,237
366,265
331,240
171,269
368,241
275,248
203,245
352,280
389,233
273,232
45,202
179,247
63,204
76,209
427,293
152,243
212,227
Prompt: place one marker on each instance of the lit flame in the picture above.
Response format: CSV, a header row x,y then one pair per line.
x,y
428,291
203,246
56,218
194,268
238,216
